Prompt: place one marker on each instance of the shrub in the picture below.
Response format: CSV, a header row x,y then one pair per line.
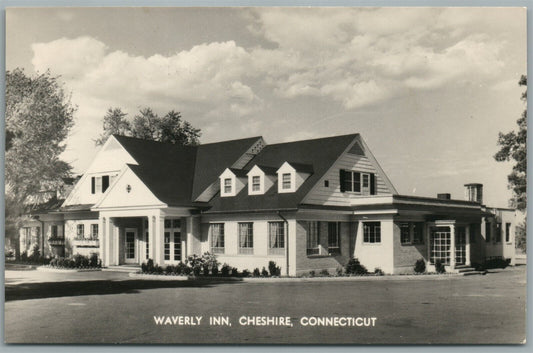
x,y
158,269
420,266
143,267
478,267
93,260
53,262
246,273
224,271
187,270
354,267
312,273
340,271
35,253
496,262
273,269
324,272
150,266
60,262
264,272
205,269
210,260
179,269
256,272
197,269
439,266
379,272
214,270
169,269
234,272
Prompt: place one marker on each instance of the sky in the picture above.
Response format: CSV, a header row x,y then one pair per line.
x,y
427,88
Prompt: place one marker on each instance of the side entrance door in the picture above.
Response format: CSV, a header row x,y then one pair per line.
x,y
129,247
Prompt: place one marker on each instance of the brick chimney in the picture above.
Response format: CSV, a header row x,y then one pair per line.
x,y
474,192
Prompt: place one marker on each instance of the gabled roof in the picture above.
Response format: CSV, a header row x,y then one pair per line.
x,y
319,153
301,167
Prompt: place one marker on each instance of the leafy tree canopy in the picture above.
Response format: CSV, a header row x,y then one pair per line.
x,y
149,126
39,116
513,147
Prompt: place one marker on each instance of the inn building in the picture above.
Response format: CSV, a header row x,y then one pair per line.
x,y
306,205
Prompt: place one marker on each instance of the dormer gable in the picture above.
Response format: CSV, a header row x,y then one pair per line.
x,y
260,179
292,175
232,181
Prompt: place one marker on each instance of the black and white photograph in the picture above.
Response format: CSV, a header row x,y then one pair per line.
x,y
265,175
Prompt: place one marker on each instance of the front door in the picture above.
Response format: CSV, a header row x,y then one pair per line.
x,y
129,247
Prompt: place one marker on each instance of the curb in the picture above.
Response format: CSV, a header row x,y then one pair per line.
x,y
67,270
158,277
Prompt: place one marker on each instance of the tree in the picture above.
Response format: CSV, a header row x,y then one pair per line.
x,y
114,123
513,147
150,126
39,116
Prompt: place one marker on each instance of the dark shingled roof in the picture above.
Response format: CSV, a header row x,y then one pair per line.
x,y
49,206
178,174
320,154
268,170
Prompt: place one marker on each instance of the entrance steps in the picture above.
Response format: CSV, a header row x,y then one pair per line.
x,y
467,270
123,268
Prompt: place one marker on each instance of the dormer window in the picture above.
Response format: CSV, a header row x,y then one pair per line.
x,y
227,186
286,181
256,183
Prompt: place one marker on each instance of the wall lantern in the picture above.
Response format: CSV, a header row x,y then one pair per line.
x,y
128,188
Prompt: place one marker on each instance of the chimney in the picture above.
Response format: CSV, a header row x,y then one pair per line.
x,y
445,196
474,192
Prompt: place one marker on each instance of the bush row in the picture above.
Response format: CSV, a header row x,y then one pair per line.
x,y
77,261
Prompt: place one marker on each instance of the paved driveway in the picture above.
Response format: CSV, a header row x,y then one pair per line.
x,y
108,307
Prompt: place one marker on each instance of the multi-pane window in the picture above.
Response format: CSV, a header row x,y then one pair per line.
x,y
80,230
53,231
256,183
227,186
371,232
276,237
217,238
487,231
507,232
147,238
498,235
177,245
167,245
286,180
418,233
313,234
405,233
94,231
246,238
352,181
440,245
460,245
334,238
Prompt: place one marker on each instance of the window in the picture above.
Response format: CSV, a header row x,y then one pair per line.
x,y
372,232
440,245
246,238
276,238
227,186
256,183
167,245
418,233
80,230
366,180
487,231
147,237
286,180
405,233
177,246
53,231
176,223
334,238
326,183
357,182
168,223
507,232
217,238
352,181
94,231
498,235
313,234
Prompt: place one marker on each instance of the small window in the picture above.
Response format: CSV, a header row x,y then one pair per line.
x,y
167,245
372,232
217,238
334,238
53,231
227,186
507,232
326,183
286,181
256,183
94,231
80,230
276,238
313,234
177,246
405,233
246,238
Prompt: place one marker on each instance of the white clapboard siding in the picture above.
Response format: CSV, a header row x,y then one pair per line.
x,y
332,196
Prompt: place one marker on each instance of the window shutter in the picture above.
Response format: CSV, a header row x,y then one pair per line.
x,y
93,185
342,178
357,182
372,184
105,182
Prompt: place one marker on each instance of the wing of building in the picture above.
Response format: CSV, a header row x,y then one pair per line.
x,y
306,205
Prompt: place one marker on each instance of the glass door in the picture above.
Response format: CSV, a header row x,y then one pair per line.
x,y
129,246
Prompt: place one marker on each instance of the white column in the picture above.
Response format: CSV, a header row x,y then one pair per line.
x,y
151,235
467,246
102,238
115,257
159,239
452,246
189,238
108,255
